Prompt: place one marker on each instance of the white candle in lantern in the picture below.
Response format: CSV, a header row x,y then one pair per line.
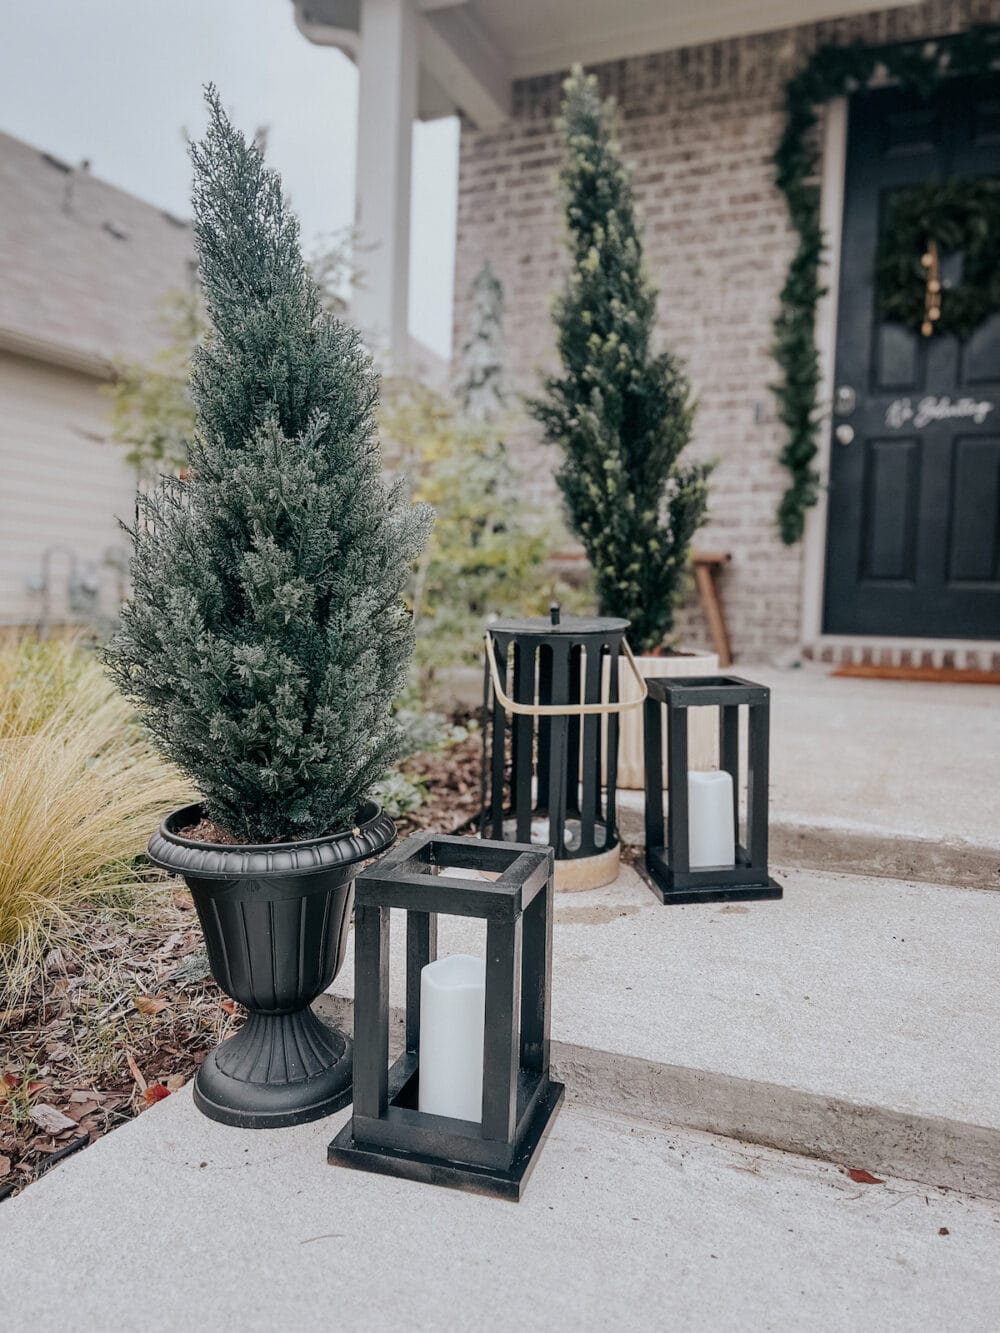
x,y
452,1022
711,836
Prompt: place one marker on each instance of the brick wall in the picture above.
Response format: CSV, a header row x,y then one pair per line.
x,y
699,127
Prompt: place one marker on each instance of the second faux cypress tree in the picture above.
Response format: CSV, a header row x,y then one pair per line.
x,y
621,413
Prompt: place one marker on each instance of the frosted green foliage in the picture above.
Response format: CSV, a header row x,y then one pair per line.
x,y
620,413
481,393
266,637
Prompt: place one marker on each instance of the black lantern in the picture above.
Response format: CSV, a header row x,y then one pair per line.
x,y
387,1132
554,783
668,861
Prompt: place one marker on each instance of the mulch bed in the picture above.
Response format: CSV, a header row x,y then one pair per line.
x,y
121,1015
452,779
124,1009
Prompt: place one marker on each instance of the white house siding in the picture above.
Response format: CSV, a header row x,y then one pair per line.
x,y
62,484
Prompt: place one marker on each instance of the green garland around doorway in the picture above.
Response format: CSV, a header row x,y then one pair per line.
x,y
834,71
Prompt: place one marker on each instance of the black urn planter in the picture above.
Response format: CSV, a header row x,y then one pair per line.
x,y
275,918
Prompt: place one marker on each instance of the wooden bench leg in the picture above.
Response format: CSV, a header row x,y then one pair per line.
x,y
709,597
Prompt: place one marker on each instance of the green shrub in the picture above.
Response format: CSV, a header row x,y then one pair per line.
x,y
488,553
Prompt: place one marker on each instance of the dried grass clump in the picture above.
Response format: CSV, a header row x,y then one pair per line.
x,y
80,790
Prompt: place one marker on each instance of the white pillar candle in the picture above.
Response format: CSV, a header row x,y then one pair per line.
x,y
452,1022
711,839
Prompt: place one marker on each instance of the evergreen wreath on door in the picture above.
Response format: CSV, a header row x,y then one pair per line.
x,y
922,223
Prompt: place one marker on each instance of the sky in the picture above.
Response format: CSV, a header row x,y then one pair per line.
x,y
118,82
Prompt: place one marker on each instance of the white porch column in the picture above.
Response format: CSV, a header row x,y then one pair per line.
x,y
387,107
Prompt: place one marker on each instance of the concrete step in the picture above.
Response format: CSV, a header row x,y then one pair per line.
x,y
855,1020
855,848
174,1222
873,777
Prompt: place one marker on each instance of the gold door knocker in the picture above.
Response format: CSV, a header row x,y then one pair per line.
x,y
931,261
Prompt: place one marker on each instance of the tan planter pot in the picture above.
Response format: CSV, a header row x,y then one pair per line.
x,y
703,724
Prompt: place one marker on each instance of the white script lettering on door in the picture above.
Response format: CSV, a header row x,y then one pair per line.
x,y
903,411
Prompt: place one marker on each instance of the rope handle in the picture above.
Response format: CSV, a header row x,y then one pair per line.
x,y
563,710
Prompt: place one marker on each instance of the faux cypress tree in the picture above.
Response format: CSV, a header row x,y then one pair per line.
x,y
621,413
481,392
266,636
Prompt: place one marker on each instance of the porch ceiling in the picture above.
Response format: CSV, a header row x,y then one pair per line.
x,y
541,36
472,50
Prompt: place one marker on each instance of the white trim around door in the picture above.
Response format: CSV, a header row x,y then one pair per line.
x,y
831,210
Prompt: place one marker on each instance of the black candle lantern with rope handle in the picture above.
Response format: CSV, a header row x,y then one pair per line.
x,y
549,772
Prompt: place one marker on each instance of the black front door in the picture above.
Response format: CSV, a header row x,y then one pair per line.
x,y
913,538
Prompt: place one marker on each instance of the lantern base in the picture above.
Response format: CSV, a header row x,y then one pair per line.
x,y
578,873
428,1170
709,893
574,873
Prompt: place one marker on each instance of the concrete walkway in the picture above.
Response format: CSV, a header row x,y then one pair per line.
x,y
856,1022
174,1222
883,777
856,1018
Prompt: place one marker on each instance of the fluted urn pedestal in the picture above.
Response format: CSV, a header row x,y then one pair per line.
x,y
275,918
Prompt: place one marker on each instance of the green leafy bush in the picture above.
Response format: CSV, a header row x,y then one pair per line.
x,y
489,553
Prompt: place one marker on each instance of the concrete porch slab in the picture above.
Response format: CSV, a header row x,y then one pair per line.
x,y
896,777
854,1018
175,1222
917,760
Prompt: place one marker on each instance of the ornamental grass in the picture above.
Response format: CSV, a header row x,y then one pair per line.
x,y
80,790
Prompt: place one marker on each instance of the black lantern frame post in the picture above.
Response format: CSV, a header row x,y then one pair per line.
x,y
387,1133
667,858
